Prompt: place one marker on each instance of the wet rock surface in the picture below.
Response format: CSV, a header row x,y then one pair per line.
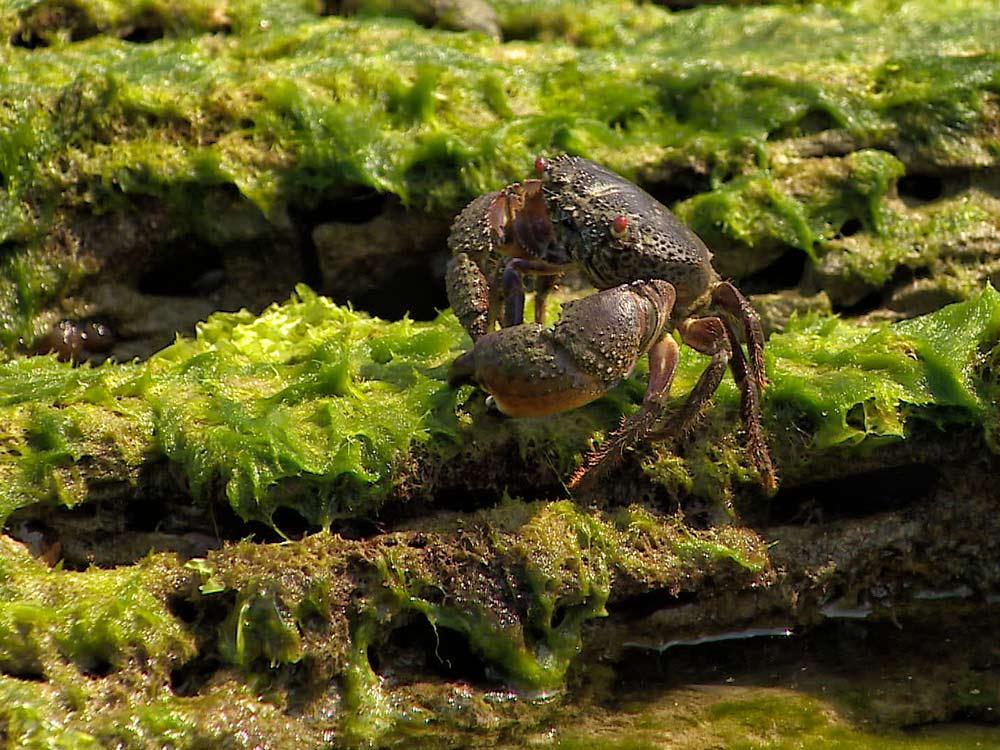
x,y
286,528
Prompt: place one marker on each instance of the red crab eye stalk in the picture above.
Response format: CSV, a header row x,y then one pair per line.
x,y
541,165
619,227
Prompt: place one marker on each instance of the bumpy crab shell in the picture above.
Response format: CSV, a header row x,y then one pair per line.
x,y
584,201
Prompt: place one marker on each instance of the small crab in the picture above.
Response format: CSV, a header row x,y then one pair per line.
x,y
656,276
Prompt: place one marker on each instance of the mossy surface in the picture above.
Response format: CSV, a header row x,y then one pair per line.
x,y
762,719
326,411
288,109
326,602
858,137
518,584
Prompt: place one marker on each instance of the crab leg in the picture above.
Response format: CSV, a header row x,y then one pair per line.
x,y
730,299
543,287
708,336
513,285
717,337
756,445
663,359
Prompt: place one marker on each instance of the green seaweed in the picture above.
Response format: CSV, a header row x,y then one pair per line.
x,y
291,108
762,719
226,399
94,621
314,407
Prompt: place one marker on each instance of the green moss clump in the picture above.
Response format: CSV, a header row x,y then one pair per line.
x,y
56,625
859,385
835,385
314,407
291,108
307,390
517,583
795,205
758,718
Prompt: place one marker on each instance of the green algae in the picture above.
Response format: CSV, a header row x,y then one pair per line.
x,y
763,719
94,620
313,407
307,390
81,638
518,583
863,385
836,385
291,108
456,574
796,205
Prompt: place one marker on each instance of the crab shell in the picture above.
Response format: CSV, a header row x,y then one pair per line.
x,y
585,199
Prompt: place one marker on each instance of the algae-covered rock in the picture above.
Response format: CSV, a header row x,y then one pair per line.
x,y
284,527
275,119
318,409
344,419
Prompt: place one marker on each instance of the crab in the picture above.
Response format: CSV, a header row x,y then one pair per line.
x,y
655,277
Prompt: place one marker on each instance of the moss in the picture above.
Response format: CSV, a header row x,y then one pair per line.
x,y
836,386
95,620
468,575
884,376
795,205
754,717
313,407
290,109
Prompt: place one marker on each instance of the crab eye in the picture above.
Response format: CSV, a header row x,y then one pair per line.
x,y
541,165
619,226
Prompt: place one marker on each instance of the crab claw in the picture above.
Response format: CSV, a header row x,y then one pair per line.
x,y
494,241
532,371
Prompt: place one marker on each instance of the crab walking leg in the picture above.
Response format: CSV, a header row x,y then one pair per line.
x,y
543,287
708,336
756,445
513,285
730,299
634,430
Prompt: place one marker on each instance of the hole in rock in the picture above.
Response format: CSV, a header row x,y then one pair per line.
x,y
29,672
96,667
204,615
143,34
868,303
861,495
784,273
356,528
916,187
851,227
417,650
357,208
27,39
183,609
189,678
683,184
815,120
642,605
186,271
411,290
289,523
